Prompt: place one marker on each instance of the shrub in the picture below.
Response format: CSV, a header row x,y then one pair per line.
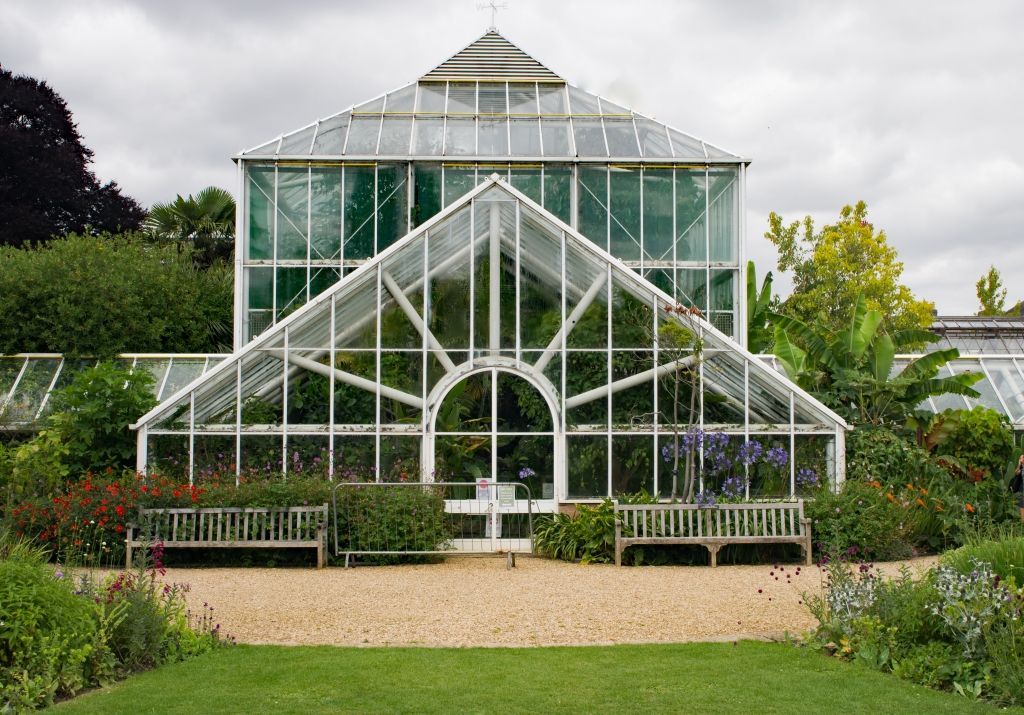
x,y
860,520
1006,557
588,535
397,518
982,443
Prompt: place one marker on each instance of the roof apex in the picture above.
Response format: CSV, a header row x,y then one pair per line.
x,y
491,57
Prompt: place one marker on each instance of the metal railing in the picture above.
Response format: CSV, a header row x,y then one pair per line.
x,y
432,518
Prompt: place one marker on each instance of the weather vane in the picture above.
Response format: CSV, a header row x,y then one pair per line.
x,y
493,6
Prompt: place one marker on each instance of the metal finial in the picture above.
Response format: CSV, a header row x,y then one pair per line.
x,y
493,6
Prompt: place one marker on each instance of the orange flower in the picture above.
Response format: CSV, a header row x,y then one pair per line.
x,y
938,507
910,486
875,483
968,508
890,497
924,491
920,501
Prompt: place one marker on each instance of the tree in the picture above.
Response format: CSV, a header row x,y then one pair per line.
x,y
102,295
205,222
991,293
851,370
46,187
832,267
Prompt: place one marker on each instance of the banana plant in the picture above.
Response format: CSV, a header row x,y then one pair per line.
x,y
759,331
854,370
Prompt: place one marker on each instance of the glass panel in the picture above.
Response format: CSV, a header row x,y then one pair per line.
x,y
261,211
457,182
392,204
555,133
450,290
460,137
325,213
321,279
362,135
10,367
685,146
462,458
330,137
528,181
374,106
589,137
430,98
529,461
492,98
461,98
525,137
557,189
593,209
540,308
298,143
261,287
581,102
625,213
401,100
182,372
309,398
1006,380
723,211
522,98
657,214
359,211
402,371
31,389
293,207
632,319
621,137
467,406
400,458
354,405
427,136
552,99
653,139
691,244
588,466
493,138
691,285
722,290
291,290
632,464
394,136
426,192
520,407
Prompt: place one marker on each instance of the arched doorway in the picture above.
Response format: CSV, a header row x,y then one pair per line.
x,y
497,421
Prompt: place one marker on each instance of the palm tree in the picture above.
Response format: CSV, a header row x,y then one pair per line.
x,y
852,370
205,222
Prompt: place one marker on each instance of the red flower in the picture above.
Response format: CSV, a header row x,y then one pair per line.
x,y
119,528
119,510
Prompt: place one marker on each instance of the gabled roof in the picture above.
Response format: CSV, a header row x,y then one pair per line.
x,y
491,101
555,260
491,57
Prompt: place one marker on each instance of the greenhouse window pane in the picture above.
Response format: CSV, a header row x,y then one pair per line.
x,y
492,98
182,372
291,290
723,212
582,103
394,136
593,208
392,203
460,137
723,289
428,135
362,135
691,190
320,280
589,137
625,213
401,100
522,98
292,214
426,192
374,106
555,134
653,139
525,137
621,137
588,466
298,143
658,214
457,182
527,180
552,99
359,212
430,98
261,211
686,147
557,189
32,387
691,287
261,287
493,138
461,98
325,212
330,137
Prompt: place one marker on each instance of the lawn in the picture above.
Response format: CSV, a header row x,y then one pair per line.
x,y
701,677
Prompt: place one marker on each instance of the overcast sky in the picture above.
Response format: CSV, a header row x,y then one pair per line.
x,y
915,107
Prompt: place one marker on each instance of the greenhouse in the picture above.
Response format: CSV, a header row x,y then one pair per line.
x,y
319,202
495,341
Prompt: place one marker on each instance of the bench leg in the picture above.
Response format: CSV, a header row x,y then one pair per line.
x,y
807,551
618,553
128,554
713,553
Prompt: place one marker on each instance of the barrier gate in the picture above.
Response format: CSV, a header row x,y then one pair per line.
x,y
432,518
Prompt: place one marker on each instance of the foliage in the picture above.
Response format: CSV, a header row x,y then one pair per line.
x,y
991,293
1005,555
851,369
100,296
46,187
205,223
760,304
950,630
981,442
717,676
831,268
861,521
392,519
587,536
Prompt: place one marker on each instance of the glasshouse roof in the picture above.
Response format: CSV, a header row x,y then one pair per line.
x,y
28,379
977,334
491,100
551,263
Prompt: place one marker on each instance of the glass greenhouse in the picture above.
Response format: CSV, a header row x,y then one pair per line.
x,y
494,341
319,202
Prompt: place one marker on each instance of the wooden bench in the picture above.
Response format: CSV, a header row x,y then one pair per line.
x,y
232,527
712,527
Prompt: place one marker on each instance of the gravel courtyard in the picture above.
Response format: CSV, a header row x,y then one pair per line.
x,y
478,602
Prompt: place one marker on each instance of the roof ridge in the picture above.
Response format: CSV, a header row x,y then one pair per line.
x,y
491,56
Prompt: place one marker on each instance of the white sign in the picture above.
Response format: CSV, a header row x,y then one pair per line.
x,y
483,489
506,496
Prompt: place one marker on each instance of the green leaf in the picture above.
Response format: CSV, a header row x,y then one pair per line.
x,y
793,359
883,353
811,342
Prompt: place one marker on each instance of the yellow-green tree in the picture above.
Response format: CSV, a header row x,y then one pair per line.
x,y
991,293
833,266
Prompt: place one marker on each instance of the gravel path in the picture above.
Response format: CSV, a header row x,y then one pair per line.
x,y
478,602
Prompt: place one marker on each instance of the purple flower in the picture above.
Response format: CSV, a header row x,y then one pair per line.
x,y
777,457
526,473
806,477
706,499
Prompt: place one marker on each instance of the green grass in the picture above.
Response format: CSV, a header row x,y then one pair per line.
x,y
750,677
